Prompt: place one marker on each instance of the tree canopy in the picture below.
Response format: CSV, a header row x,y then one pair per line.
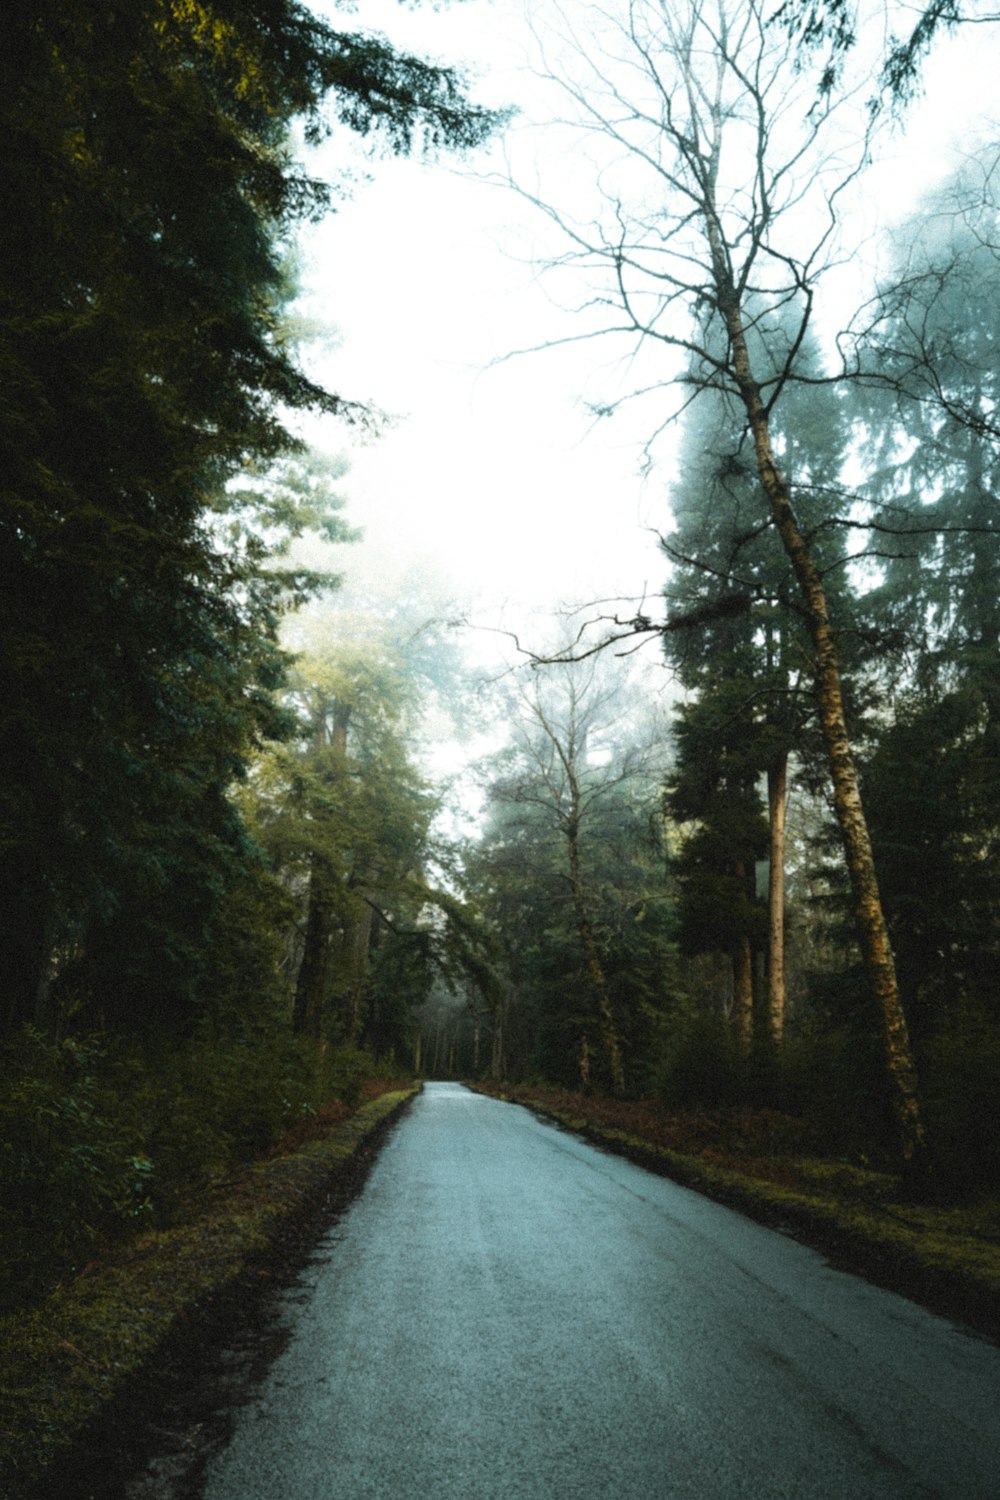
x,y
152,195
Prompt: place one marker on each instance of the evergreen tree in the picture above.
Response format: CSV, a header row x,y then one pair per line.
x,y
928,359
151,196
745,659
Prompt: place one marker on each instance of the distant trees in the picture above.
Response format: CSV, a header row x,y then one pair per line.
x,y
571,872
346,813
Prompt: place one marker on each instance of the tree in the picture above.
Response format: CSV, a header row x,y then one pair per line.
x,y
721,182
745,656
146,363
837,26
559,868
347,813
344,814
927,364
714,795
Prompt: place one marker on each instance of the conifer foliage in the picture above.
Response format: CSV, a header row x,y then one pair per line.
x,y
149,195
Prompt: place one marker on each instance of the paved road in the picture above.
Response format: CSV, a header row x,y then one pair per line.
x,y
508,1314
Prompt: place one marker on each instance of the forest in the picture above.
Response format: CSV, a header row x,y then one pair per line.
x,y
239,896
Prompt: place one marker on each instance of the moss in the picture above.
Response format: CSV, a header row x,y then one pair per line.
x,y
64,1362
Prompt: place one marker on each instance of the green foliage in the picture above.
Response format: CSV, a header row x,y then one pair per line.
x,y
832,1077
961,1073
346,814
701,1067
72,1168
828,1077
218,1099
96,1145
147,367
345,1070
931,786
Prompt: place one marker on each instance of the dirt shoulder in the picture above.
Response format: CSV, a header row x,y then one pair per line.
x,y
944,1256
85,1352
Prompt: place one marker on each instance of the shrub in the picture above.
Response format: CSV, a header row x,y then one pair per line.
x,y
700,1068
73,1168
961,1085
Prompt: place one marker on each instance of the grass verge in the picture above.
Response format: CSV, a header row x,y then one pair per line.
x,y
66,1362
944,1255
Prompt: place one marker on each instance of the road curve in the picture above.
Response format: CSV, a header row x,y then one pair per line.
x,y
507,1313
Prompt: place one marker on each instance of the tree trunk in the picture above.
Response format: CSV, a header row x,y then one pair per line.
x,y
355,949
777,804
27,951
584,1064
742,1013
595,975
873,933
311,984
595,970
496,1051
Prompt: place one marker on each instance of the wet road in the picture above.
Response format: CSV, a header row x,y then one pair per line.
x,y
506,1312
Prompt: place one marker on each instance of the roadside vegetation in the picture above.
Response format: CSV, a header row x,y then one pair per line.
x,y
749,925
65,1363
220,894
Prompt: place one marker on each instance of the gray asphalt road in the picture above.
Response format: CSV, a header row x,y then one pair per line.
x,y
506,1312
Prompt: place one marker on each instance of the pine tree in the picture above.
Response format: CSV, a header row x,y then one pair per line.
x,y
151,195
745,660
928,357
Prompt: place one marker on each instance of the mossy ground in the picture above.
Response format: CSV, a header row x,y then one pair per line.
x,y
945,1255
66,1361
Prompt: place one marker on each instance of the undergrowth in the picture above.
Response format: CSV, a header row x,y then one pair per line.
x,y
101,1144
64,1362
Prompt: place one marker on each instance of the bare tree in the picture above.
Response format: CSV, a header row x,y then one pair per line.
x,y
720,176
570,764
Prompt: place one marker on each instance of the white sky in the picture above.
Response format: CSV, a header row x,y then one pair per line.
x,y
491,477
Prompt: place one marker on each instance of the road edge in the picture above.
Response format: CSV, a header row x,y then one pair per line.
x,y
848,1246
67,1366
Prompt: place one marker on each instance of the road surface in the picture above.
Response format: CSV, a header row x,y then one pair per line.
x,y
506,1313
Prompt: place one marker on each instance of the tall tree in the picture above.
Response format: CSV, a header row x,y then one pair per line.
x,y
721,187
145,363
745,654
347,811
927,359
344,813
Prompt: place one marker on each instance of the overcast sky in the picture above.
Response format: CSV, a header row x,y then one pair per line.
x,y
493,475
